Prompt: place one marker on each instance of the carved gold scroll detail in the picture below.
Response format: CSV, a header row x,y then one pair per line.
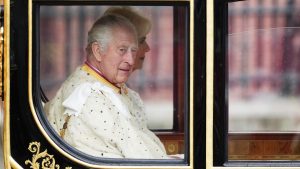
x,y
41,160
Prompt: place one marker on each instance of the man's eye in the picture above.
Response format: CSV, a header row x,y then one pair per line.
x,y
122,50
134,50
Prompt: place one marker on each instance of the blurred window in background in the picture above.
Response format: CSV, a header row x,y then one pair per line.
x,y
264,66
263,56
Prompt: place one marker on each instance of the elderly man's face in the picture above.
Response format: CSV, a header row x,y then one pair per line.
x,y
118,59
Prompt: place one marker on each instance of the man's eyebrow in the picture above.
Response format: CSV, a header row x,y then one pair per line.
x,y
127,46
122,45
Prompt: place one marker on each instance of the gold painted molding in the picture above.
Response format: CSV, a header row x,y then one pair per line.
x,y
8,160
47,160
209,82
1,58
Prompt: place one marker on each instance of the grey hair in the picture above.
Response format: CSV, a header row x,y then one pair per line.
x,y
101,31
141,23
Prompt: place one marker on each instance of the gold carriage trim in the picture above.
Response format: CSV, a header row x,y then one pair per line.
x,y
41,160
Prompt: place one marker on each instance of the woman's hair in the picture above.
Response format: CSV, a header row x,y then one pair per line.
x,y
102,30
141,23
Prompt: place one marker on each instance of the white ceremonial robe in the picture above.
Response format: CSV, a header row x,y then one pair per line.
x,y
103,122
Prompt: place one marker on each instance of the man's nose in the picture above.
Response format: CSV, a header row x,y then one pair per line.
x,y
130,57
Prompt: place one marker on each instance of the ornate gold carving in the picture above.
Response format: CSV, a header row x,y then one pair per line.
x,y
47,160
171,148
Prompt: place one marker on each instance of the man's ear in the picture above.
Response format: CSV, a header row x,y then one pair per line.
x,y
97,51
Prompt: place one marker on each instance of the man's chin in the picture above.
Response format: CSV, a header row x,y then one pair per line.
x,y
123,79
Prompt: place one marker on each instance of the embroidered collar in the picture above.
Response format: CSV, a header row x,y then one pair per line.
x,y
95,73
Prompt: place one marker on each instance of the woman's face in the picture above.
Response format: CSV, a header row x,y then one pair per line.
x,y
140,55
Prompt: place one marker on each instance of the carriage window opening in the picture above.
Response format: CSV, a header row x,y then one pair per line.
x,y
161,82
62,52
263,80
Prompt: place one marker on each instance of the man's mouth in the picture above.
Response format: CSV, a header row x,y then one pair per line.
x,y
125,69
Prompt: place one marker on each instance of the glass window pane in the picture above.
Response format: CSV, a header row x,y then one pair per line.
x,y
160,81
263,80
264,66
62,52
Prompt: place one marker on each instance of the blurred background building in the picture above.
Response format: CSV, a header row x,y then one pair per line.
x,y
264,66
